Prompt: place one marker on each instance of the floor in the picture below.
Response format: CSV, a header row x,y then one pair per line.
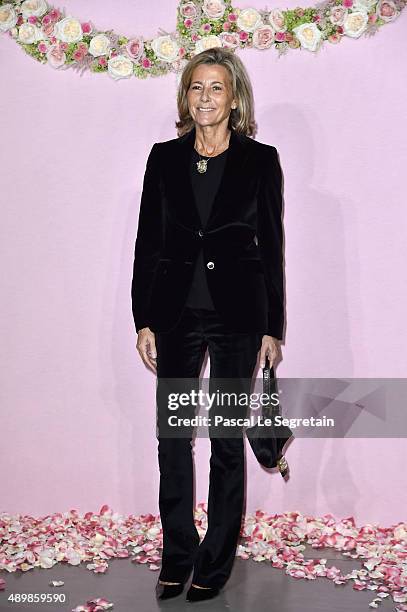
x,y
253,587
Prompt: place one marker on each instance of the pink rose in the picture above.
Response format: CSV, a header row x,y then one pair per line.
x,y
337,15
347,3
230,40
188,9
178,64
78,55
42,47
55,56
386,9
188,23
55,14
232,17
48,29
226,26
243,35
135,48
282,36
32,19
86,27
102,61
146,62
334,38
277,20
206,27
263,37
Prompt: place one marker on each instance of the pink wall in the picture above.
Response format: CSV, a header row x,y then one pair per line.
x,y
77,404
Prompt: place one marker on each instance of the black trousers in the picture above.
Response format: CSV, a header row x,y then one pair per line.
x,y
180,355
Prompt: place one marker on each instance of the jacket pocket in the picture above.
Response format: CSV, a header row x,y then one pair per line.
x,y
250,263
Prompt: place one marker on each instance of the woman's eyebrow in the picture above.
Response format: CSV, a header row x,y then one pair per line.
x,y
211,82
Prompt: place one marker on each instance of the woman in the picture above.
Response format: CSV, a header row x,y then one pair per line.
x,y
208,273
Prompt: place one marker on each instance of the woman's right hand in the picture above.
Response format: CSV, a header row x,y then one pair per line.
x,y
146,347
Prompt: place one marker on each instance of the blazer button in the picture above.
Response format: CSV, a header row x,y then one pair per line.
x,y
210,265
200,233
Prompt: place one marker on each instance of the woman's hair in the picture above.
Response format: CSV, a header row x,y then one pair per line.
x,y
241,119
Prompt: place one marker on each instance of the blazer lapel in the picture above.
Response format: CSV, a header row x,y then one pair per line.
x,y
179,166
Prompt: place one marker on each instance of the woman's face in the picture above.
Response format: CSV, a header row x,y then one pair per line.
x,y
210,88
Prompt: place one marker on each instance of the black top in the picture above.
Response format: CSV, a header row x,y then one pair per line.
x,y
205,187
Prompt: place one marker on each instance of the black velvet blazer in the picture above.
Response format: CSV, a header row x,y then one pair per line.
x,y
242,241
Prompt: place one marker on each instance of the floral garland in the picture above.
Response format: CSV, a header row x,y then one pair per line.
x,y
50,36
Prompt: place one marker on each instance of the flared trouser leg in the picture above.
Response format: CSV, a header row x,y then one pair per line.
x,y
180,354
233,358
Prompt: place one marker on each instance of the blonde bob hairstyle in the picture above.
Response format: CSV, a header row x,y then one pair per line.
x,y
241,119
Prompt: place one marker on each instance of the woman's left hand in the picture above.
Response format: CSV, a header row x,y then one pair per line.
x,y
269,348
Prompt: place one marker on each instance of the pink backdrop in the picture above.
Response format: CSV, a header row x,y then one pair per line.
x,y
77,404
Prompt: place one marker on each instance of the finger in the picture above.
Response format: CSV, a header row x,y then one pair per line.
x,y
272,354
152,354
153,350
144,354
263,357
149,362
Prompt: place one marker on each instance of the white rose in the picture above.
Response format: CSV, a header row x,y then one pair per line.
x,y
309,36
207,42
363,5
29,33
214,9
35,8
99,45
165,48
249,19
8,17
355,23
120,67
68,30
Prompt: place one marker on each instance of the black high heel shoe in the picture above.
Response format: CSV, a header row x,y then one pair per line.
x,y
196,594
168,590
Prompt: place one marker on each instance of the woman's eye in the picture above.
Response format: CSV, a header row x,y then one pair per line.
x,y
197,87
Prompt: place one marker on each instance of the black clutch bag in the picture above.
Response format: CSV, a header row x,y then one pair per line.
x,y
267,442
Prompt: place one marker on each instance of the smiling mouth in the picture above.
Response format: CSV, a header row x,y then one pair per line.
x,y
205,110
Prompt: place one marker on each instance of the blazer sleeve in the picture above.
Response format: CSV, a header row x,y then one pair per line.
x,y
270,239
148,241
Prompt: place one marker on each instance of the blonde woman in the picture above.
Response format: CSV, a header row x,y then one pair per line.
x,y
208,274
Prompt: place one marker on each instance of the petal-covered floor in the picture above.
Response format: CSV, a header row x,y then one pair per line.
x,y
286,562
